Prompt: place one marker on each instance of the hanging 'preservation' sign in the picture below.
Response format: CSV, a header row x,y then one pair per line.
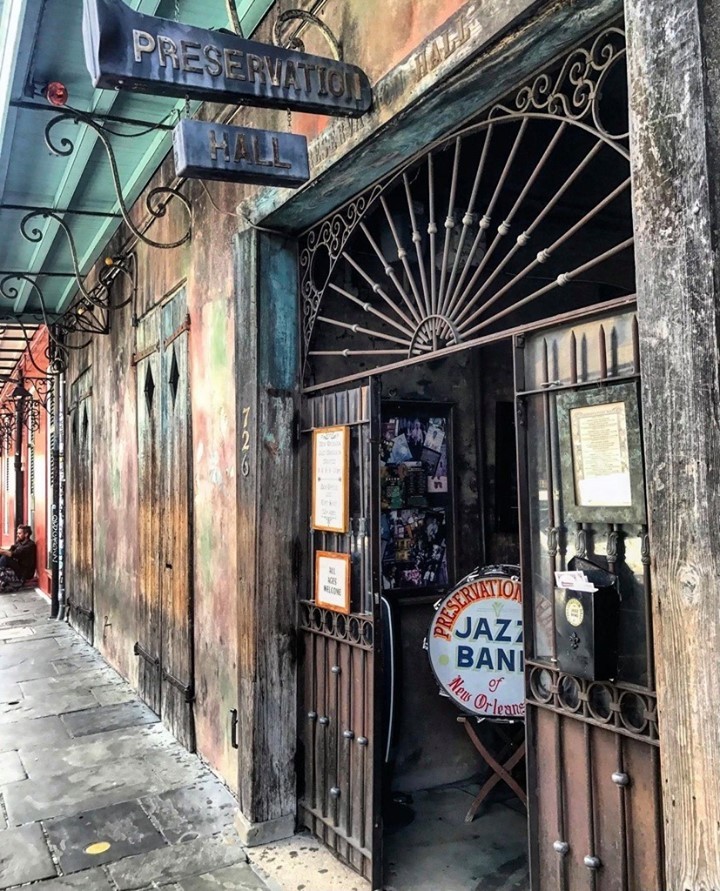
x,y
239,154
126,50
330,482
475,644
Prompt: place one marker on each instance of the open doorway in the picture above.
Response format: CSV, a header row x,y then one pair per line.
x,y
448,507
504,238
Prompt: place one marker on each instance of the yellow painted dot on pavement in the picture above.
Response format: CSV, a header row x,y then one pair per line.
x,y
98,848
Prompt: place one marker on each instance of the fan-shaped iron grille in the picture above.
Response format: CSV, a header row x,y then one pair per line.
x,y
521,216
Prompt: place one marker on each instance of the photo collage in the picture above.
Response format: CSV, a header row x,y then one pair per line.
x,y
415,497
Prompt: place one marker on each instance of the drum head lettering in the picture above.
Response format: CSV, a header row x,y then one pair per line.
x,y
475,646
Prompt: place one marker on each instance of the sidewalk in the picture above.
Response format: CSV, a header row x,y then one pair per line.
x,y
94,793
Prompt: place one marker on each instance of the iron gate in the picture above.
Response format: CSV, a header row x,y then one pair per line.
x,y
340,657
593,746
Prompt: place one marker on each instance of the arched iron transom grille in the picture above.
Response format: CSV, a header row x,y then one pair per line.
x,y
521,216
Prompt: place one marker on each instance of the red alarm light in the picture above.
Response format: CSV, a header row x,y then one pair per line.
x,y
56,93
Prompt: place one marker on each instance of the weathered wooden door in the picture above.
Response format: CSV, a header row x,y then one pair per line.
x,y
177,666
340,655
165,604
593,744
149,613
80,597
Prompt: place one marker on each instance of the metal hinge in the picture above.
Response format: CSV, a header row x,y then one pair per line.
x,y
296,558
233,727
521,412
187,690
143,354
75,607
181,329
138,650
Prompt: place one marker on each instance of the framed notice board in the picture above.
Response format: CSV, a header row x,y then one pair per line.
x,y
331,479
416,497
601,454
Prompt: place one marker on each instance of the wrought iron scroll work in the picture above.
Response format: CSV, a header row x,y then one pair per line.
x,y
30,414
26,409
157,199
574,94
84,316
295,42
7,430
329,236
457,252
41,389
628,711
357,631
35,235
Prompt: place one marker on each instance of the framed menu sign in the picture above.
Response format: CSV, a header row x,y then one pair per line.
x,y
601,460
332,581
601,454
331,479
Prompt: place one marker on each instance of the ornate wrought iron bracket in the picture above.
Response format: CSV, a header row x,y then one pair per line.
x,y
20,405
146,126
87,315
35,235
7,430
39,389
29,411
306,18
125,266
157,199
74,211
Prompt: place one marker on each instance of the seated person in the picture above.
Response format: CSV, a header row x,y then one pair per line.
x,y
21,557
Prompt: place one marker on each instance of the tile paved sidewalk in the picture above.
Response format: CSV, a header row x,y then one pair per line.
x,y
94,793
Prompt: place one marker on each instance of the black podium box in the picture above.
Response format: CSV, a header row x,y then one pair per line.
x,y
586,624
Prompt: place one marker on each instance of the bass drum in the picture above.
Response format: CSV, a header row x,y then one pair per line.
x,y
475,644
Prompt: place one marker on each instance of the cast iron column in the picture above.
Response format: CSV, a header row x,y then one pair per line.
x,y
53,420
19,481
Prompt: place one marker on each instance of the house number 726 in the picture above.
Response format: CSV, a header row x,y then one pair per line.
x,y
245,447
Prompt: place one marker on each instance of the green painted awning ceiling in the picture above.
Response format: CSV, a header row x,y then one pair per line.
x,y
51,49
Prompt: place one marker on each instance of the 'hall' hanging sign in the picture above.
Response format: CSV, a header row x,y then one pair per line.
x,y
127,50
238,154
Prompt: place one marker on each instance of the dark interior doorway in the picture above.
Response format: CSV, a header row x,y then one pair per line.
x,y
448,504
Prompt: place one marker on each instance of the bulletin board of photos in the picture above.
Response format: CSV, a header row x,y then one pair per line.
x,y
415,495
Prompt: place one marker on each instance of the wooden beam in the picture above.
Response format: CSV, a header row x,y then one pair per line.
x,y
267,386
674,72
344,159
